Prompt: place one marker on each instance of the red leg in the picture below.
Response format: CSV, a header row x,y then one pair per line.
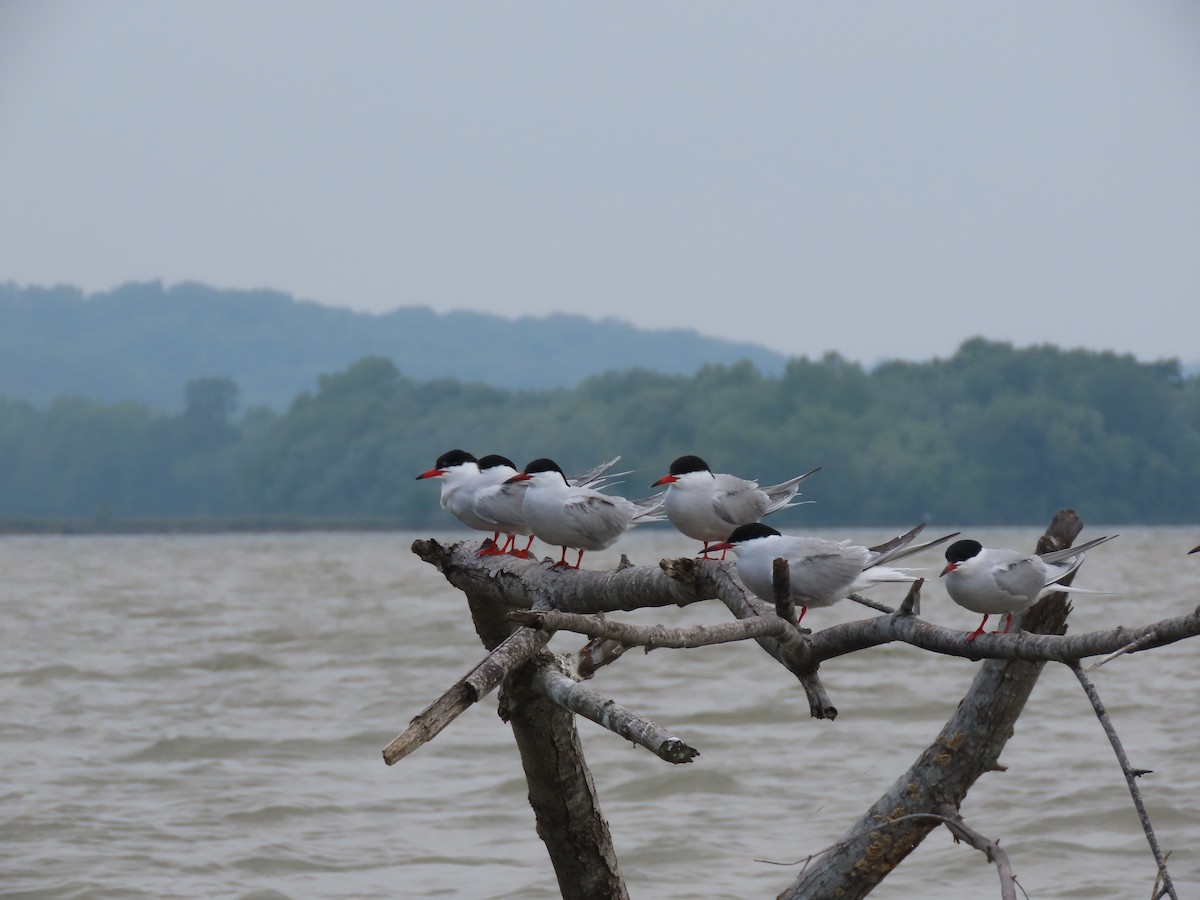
x,y
492,547
562,562
521,554
579,559
978,631
1007,623
800,617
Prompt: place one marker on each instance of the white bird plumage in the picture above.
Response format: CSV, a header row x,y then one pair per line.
x,y
575,516
479,494
994,581
707,505
821,571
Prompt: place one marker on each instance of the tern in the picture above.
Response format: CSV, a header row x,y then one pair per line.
x,y
992,582
822,571
474,491
707,506
576,516
499,503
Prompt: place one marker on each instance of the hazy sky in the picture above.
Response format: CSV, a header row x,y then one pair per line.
x,y
883,179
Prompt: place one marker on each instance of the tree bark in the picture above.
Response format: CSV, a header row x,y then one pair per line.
x,y
561,792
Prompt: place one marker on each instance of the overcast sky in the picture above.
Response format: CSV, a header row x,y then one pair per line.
x,y
881,179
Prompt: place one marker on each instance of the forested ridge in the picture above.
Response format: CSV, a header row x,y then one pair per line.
x,y
990,435
144,342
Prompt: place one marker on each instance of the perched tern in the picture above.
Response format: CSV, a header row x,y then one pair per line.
x,y
462,480
990,581
499,503
707,506
822,571
476,493
576,516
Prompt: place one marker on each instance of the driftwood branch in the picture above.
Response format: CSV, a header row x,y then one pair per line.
x,y
1131,776
956,826
654,636
561,791
479,682
582,700
901,626
968,746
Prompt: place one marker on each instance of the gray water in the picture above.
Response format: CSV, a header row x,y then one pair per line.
x,y
202,716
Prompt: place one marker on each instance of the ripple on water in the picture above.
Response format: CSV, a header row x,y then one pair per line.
x,y
202,717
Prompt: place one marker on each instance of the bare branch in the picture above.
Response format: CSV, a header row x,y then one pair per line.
x,y
1130,778
653,636
850,637
1146,640
871,604
584,701
508,581
597,653
781,586
479,682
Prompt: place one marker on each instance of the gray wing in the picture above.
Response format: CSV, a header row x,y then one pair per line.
x,y
826,571
738,501
597,517
1022,576
500,504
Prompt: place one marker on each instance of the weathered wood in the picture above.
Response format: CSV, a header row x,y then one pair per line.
x,y
654,636
562,793
583,701
901,626
479,682
968,746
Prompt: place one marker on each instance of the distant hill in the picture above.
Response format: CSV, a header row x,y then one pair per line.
x,y
143,342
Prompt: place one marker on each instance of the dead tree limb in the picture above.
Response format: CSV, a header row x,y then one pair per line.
x,y
654,636
901,626
958,829
479,682
1131,776
583,701
561,791
968,746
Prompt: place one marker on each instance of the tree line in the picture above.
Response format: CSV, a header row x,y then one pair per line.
x,y
990,435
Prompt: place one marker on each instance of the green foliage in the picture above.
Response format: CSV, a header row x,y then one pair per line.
x,y
989,435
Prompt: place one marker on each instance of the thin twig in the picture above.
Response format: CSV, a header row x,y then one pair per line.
x,y
1130,778
873,604
1146,640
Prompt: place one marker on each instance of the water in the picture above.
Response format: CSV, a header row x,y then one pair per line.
x,y
202,716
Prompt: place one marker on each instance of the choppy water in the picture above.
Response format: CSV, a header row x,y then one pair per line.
x,y
202,716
